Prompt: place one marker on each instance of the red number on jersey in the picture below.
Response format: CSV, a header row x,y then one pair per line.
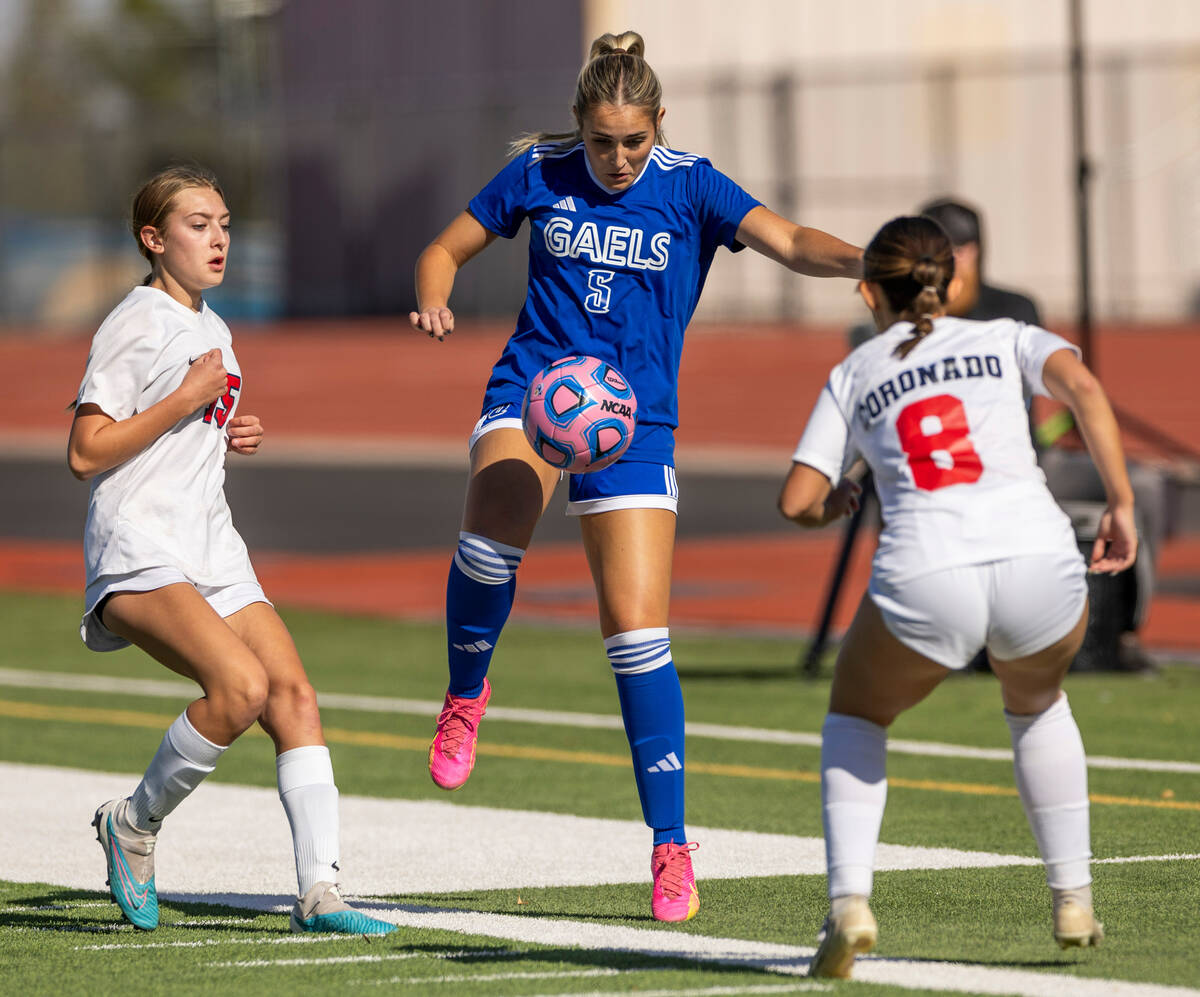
x,y
219,410
935,435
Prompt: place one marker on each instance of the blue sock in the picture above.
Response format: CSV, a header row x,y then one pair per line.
x,y
479,595
652,707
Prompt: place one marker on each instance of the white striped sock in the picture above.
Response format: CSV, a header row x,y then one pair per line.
x,y
636,651
486,561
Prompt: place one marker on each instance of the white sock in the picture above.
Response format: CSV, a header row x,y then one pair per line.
x,y
183,759
1052,779
310,800
853,794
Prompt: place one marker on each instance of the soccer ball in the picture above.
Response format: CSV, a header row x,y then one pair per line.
x,y
579,414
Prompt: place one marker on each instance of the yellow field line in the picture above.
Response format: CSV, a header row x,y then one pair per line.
x,y
399,742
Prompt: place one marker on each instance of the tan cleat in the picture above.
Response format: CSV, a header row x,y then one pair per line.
x,y
850,930
1075,926
323,909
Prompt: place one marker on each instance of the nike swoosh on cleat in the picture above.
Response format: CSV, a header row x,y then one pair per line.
x,y
137,893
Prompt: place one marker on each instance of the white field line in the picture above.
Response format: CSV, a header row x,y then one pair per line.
x,y
21,909
388,846
1127,859
195,859
449,954
171,689
789,960
809,986
466,979
200,943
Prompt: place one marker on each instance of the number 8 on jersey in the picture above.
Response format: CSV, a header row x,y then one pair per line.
x,y
934,434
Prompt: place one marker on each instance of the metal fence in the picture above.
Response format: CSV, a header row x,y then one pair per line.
x,y
368,171
845,150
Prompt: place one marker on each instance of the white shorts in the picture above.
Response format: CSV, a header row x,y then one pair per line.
x,y
1014,608
498,417
225,599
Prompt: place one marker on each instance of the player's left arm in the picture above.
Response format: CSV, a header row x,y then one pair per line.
x,y
805,250
1070,382
244,434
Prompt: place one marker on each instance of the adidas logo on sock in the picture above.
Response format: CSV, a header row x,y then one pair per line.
x,y
669,764
566,204
476,648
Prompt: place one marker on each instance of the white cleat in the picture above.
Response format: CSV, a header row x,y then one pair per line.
x,y
848,933
1075,926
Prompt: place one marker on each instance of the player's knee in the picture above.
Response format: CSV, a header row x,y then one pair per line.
x,y
487,561
242,698
630,604
296,699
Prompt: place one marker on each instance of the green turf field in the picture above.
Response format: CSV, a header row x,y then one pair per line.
x,y
567,939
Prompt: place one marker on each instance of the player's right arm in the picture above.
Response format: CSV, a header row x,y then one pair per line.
x,y
809,496
98,442
1070,382
462,239
810,499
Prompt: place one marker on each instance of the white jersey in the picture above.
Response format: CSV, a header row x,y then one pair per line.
x,y
166,506
946,433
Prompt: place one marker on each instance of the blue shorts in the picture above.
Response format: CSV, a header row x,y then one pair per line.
x,y
627,484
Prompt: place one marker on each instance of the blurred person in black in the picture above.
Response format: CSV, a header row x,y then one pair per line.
x,y
977,299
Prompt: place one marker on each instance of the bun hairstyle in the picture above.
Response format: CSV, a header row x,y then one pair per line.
x,y
912,260
626,43
156,197
615,72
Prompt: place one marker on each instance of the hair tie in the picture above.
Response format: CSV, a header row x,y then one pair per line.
x,y
617,51
931,287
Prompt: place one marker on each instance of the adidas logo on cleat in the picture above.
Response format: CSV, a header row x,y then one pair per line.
x,y
669,764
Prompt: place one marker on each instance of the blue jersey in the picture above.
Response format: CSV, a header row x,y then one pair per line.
x,y
613,274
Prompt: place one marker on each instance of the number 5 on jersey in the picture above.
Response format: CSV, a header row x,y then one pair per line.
x,y
597,301
935,435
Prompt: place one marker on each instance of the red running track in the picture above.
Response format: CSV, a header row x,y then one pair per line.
x,y
328,389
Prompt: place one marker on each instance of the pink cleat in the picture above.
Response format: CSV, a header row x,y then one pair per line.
x,y
452,754
674,897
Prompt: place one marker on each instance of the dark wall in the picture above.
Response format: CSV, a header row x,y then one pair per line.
x,y
396,112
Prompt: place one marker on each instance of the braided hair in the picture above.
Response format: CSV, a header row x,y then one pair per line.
x,y
912,260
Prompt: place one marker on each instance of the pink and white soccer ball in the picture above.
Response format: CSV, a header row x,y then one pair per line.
x,y
579,414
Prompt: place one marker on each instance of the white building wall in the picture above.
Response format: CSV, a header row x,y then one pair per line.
x,y
874,133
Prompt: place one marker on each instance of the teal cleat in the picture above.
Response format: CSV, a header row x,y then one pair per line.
x,y
130,856
323,909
